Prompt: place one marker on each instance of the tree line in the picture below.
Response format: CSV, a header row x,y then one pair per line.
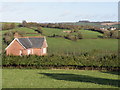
x,y
7,26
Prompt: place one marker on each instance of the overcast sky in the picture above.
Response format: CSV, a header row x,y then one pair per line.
x,y
59,12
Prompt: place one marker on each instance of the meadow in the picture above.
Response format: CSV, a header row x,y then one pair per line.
x,y
59,78
22,29
56,78
59,45
91,40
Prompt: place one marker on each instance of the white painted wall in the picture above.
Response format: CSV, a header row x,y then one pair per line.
x,y
44,50
28,51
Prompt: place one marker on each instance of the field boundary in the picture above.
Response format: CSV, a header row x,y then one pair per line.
x,y
70,67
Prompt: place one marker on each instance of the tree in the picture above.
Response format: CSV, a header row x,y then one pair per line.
x,y
39,29
24,23
12,25
114,34
71,37
8,37
6,26
79,35
107,34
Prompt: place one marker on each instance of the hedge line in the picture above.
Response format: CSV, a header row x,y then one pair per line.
x,y
58,60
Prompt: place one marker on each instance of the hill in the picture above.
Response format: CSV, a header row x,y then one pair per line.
x,y
91,41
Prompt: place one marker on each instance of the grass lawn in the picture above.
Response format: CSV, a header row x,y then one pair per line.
x,y
39,78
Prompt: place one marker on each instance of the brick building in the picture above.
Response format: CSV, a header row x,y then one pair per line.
x,y
27,46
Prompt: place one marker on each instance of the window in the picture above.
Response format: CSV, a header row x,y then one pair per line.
x,y
20,53
28,51
44,50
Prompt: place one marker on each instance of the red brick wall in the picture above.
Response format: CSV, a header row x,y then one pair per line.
x,y
14,48
44,44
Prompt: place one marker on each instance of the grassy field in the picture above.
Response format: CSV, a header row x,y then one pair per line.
x,y
85,33
59,45
51,31
90,34
38,78
26,30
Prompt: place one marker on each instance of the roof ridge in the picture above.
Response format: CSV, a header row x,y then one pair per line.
x,y
32,37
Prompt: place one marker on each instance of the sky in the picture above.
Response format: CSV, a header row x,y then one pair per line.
x,y
58,11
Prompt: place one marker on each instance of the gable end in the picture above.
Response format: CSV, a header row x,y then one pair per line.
x,y
13,42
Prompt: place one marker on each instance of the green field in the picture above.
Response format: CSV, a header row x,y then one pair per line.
x,y
59,45
28,31
51,31
87,24
39,78
85,33
90,34
24,29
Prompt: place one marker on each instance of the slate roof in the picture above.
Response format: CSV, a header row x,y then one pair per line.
x,y
32,42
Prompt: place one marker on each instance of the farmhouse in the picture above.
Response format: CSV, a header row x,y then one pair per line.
x,y
27,46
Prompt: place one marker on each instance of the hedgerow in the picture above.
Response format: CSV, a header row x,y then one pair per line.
x,y
59,60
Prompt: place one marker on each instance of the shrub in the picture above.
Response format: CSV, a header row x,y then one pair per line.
x,y
110,60
39,30
7,26
79,35
9,36
107,34
114,34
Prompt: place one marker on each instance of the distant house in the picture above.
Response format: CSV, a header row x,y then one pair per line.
x,y
67,31
108,28
103,28
111,28
27,46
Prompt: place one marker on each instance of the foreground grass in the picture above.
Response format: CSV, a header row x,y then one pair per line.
x,y
38,78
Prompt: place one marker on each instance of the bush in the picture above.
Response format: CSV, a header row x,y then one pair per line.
x,y
39,30
107,34
7,26
73,36
110,60
79,35
9,36
114,34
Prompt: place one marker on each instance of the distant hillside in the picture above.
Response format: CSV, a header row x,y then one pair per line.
x,y
97,24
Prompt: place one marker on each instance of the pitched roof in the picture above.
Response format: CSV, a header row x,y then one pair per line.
x,y
32,42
